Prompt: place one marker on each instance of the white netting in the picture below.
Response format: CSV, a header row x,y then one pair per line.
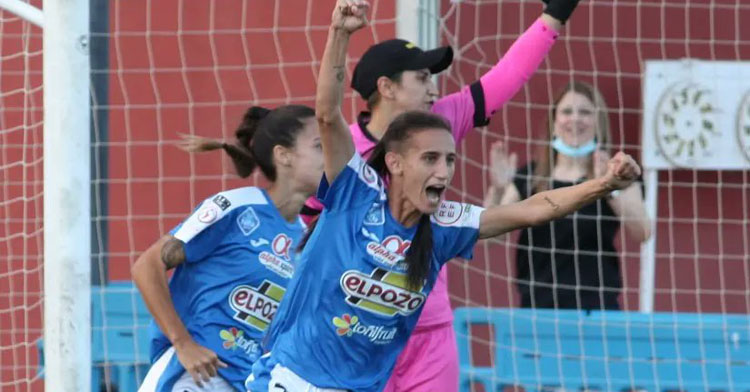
x,y
166,67
702,263
20,200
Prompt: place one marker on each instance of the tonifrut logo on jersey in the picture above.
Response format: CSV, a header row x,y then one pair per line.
x,y
256,306
348,325
279,260
234,338
390,251
382,292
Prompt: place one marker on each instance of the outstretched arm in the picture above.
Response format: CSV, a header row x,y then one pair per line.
x,y
348,17
554,204
150,275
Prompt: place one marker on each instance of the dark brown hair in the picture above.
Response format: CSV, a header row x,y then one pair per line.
x,y
400,130
259,132
374,98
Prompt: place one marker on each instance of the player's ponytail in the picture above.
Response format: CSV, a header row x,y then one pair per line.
x,y
418,255
259,132
402,127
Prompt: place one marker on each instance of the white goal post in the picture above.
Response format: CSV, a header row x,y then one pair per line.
x,y
67,204
67,182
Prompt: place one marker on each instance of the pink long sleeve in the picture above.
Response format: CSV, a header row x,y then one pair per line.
x,y
523,58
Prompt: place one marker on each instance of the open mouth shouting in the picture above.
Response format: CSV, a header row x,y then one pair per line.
x,y
434,193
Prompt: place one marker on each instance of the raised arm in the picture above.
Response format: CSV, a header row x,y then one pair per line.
x,y
543,207
150,275
338,148
512,71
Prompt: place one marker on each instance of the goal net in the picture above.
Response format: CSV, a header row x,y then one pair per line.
x,y
20,200
160,68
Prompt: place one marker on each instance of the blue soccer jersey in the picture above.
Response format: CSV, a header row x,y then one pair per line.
x,y
348,311
238,262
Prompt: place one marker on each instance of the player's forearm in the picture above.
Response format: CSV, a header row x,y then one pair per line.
x,y
629,206
515,68
330,88
558,203
150,275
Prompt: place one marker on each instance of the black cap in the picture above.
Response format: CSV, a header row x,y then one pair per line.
x,y
390,57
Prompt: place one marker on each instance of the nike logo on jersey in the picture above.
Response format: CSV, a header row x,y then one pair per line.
x,y
259,242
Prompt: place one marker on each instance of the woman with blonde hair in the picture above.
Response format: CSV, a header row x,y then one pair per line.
x,y
570,262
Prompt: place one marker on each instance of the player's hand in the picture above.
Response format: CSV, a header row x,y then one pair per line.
x,y
502,165
560,9
621,172
350,15
200,362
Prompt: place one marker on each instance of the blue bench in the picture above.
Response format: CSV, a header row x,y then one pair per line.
x,y
119,341
567,350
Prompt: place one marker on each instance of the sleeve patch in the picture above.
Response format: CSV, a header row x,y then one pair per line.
x,y
247,221
222,202
454,214
207,214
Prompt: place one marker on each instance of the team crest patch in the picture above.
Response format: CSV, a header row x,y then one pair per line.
x,y
375,216
222,202
248,221
382,292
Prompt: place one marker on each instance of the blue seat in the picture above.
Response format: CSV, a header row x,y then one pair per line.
x,y
554,350
119,337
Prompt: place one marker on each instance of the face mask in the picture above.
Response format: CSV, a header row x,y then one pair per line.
x,y
575,152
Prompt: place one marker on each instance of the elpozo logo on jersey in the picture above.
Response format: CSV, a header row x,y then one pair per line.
x,y
382,292
279,261
256,306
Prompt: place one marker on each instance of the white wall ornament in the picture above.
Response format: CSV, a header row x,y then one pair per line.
x,y
696,114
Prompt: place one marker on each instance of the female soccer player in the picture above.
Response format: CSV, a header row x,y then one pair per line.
x,y
375,254
232,257
393,77
572,262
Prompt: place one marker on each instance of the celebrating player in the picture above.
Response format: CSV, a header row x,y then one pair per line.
x,y
232,257
375,254
393,77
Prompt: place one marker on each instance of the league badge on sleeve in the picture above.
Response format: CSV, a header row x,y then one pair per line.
x,y
222,202
248,221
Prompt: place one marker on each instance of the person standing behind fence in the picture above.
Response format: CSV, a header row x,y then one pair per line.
x,y
233,257
570,263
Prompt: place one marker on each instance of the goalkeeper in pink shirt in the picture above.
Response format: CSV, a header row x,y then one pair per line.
x,y
394,76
